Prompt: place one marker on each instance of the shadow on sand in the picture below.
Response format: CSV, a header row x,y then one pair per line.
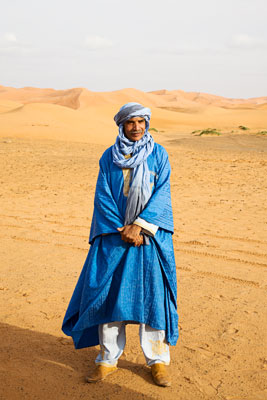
x,y
41,366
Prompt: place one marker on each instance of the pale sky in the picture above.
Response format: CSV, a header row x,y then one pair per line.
x,y
212,46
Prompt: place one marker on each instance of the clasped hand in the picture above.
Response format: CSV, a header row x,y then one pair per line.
x,y
131,234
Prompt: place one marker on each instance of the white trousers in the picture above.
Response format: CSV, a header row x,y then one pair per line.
x,y
112,341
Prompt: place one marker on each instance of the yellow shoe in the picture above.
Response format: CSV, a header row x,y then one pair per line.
x,y
160,375
100,373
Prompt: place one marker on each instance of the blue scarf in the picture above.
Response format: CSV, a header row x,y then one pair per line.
x,y
140,190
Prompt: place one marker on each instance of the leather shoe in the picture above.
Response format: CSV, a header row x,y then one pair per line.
x,y
100,373
160,375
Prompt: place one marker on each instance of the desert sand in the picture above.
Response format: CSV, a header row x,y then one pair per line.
x,y
50,144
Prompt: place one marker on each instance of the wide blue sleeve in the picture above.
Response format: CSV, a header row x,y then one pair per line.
x,y
106,217
158,210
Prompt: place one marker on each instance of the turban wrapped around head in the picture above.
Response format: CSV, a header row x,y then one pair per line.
x,y
131,110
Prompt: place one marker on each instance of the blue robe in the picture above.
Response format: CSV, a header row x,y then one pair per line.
x,y
120,282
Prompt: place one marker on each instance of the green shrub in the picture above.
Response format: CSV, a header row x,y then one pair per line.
x,y
209,131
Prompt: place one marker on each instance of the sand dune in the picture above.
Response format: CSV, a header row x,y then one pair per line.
x,y
208,99
82,115
8,105
80,97
67,98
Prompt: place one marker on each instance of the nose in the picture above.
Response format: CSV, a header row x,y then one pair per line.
x,y
136,126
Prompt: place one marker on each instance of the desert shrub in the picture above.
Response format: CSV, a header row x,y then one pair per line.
x,y
209,131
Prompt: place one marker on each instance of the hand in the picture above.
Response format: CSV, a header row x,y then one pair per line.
x,y
131,234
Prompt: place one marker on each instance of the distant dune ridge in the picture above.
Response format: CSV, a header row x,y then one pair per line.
x,y
79,114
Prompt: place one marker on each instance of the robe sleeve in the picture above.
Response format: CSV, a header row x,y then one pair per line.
x,y
158,210
106,217
149,229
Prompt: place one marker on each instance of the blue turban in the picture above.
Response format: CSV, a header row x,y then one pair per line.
x,y
131,110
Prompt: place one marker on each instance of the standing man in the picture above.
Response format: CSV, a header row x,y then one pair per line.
x,y
129,275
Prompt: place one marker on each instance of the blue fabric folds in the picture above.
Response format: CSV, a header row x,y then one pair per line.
x,y
120,282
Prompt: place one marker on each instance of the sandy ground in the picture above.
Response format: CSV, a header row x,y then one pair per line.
x,y
219,199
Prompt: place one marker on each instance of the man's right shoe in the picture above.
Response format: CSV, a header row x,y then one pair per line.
x,y
160,375
100,373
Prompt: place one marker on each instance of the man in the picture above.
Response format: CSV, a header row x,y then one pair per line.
x,y
129,275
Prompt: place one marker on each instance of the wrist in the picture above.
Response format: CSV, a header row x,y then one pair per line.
x,y
137,228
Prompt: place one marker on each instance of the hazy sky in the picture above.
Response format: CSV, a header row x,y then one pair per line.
x,y
213,46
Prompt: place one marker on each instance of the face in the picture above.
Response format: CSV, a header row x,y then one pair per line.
x,y
134,128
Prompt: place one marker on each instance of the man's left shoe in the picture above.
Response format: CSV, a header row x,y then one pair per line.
x,y
160,375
